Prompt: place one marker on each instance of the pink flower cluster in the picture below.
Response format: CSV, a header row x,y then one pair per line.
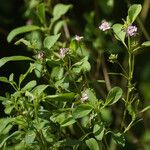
x,y
131,30
63,52
104,26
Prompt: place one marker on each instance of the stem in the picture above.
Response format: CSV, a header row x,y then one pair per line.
x,y
106,77
106,145
80,127
130,77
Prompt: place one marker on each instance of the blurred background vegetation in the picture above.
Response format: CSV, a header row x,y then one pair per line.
x,y
84,19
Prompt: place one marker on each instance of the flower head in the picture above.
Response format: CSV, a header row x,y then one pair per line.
x,y
78,38
84,97
63,52
104,26
29,22
113,58
40,55
131,30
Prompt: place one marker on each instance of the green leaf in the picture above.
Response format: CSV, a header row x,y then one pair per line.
x,y
49,41
38,69
41,12
82,110
106,115
119,138
113,96
11,135
39,89
131,111
4,79
30,136
29,85
3,98
4,122
92,144
58,26
119,33
59,10
60,97
11,77
21,30
4,60
146,44
91,97
57,73
25,42
133,12
98,131
82,65
86,67
68,121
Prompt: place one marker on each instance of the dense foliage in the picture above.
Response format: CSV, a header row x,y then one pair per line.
x,y
79,90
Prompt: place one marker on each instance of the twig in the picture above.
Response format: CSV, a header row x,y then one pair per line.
x,y
106,77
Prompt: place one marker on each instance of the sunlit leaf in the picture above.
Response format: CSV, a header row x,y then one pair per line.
x,y
4,60
41,12
113,96
133,12
58,26
39,89
91,97
92,144
60,97
59,10
98,131
21,30
119,138
146,44
49,41
119,33
82,110
68,121
29,85
4,79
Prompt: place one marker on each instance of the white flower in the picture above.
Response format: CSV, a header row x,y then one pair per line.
x,y
63,52
78,38
84,97
40,55
104,26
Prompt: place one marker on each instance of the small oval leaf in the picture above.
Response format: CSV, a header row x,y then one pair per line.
x,y
82,110
59,10
113,96
133,12
49,41
92,144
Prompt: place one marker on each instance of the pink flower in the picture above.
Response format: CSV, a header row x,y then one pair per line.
x,y
131,30
78,38
29,22
63,52
104,26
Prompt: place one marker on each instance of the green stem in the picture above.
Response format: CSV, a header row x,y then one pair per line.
x,y
130,77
